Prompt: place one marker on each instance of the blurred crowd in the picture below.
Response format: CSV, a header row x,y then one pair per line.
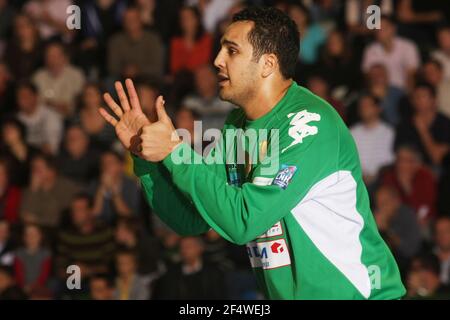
x,y
68,195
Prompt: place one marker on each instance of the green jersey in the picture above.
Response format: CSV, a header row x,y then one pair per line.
x,y
307,224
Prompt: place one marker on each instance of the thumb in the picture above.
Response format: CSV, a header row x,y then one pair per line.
x,y
161,110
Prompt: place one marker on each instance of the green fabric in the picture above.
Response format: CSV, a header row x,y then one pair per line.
x,y
297,258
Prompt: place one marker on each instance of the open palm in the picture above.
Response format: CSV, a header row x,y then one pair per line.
x,y
130,116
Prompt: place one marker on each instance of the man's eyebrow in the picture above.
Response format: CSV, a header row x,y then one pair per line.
x,y
228,43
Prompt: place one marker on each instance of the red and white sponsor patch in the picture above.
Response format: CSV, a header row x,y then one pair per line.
x,y
268,254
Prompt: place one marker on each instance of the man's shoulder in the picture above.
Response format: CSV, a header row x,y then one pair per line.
x,y
304,105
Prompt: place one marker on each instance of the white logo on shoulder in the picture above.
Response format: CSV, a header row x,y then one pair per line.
x,y
300,127
276,230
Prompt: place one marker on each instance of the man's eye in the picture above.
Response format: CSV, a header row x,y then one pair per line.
x,y
231,51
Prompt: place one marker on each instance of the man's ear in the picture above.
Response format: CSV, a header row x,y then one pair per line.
x,y
270,64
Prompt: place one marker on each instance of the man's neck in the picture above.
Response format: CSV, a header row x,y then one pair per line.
x,y
266,99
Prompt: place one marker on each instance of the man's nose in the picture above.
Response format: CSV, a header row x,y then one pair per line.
x,y
218,61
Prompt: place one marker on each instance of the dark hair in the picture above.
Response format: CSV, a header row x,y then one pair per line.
x,y
200,28
84,196
435,62
426,86
115,154
50,161
11,120
375,100
429,262
25,84
389,18
273,32
103,276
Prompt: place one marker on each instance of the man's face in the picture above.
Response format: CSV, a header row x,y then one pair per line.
x,y
55,57
368,110
80,212
432,73
126,264
423,100
386,32
190,249
100,290
76,141
239,73
111,165
26,100
132,21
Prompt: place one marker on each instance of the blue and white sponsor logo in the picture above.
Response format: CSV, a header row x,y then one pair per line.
x,y
284,176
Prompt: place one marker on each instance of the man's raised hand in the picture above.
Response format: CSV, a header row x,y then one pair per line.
x,y
130,118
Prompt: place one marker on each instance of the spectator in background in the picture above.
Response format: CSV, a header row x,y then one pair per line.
x,y
24,53
216,251
130,235
212,11
135,51
312,35
101,135
50,16
101,287
77,161
442,248
389,95
6,91
414,182
32,264
423,279
338,65
192,278
319,86
418,21
206,102
356,15
100,19
6,244
443,53
428,130
397,224
6,20
185,120
10,195
398,55
374,138
433,74
115,194
159,16
86,242
44,127
192,47
223,24
129,284
59,82
19,153
47,195
9,290
148,90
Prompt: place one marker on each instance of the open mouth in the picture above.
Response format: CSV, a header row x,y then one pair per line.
x,y
222,78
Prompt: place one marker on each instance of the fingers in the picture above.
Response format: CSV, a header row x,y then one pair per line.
x,y
122,96
113,105
161,110
134,100
109,118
